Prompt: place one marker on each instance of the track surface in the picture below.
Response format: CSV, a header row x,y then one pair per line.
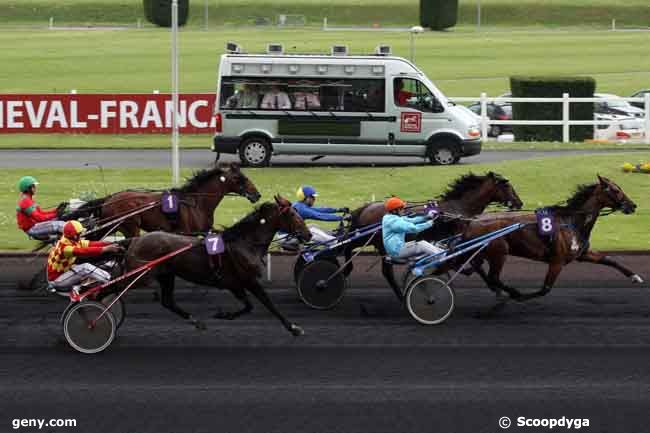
x,y
580,352
203,158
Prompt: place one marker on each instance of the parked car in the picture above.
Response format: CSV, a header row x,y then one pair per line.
x,y
617,107
626,128
495,112
639,94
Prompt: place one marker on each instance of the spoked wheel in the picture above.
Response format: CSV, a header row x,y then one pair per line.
x,y
85,331
118,309
318,287
298,267
430,300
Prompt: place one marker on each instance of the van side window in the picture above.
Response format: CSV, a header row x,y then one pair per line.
x,y
308,94
411,93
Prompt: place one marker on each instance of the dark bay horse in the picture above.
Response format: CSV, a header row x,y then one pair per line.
x,y
238,269
467,196
198,198
574,222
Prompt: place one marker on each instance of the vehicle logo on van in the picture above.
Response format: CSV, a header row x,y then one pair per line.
x,y
411,122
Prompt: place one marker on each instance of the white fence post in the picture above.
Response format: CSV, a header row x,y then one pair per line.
x,y
484,125
646,105
51,23
565,118
268,266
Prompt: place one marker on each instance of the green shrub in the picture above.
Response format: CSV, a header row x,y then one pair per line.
x,y
552,87
438,14
159,12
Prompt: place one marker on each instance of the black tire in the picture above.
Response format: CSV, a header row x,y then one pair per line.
x,y
495,131
443,153
317,287
83,337
430,300
255,152
118,309
300,264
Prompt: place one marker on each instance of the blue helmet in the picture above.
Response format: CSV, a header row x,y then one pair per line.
x,y
306,191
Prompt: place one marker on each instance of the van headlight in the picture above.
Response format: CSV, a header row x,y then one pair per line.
x,y
474,131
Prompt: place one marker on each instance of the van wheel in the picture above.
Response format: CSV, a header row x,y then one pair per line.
x,y
495,131
255,152
443,154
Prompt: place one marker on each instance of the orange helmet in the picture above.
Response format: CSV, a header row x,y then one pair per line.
x,y
72,228
394,203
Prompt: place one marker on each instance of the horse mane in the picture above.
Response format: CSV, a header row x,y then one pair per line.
x,y
578,199
458,188
199,178
241,227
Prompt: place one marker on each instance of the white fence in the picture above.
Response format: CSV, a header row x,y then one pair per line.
x,y
566,122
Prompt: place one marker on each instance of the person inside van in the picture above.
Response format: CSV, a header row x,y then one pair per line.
x,y
306,100
401,96
275,99
246,97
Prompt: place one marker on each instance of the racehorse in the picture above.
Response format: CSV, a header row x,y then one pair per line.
x,y
573,221
197,200
237,269
467,196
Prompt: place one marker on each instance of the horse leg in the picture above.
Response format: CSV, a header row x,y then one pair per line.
x,y
554,269
348,259
602,259
258,291
389,274
240,294
168,301
496,254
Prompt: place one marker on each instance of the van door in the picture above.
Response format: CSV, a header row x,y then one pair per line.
x,y
419,114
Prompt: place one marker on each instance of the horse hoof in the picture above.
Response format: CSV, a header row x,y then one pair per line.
x,y
296,330
637,279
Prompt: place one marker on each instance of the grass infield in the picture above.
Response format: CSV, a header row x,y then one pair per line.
x,y
539,182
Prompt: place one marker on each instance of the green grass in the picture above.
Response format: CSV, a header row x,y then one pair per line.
x,y
155,141
538,182
549,13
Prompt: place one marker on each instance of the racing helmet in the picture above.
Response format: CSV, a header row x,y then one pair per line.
x,y
72,229
26,182
394,203
306,191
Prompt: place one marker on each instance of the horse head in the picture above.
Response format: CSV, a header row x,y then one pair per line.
x,y
504,193
235,181
289,221
612,196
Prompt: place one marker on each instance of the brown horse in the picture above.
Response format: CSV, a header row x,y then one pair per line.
x,y
238,269
197,199
574,223
467,196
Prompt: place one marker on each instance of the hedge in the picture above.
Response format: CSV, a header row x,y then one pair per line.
x,y
159,12
552,87
438,14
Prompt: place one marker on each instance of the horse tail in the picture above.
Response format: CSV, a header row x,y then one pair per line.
x,y
92,208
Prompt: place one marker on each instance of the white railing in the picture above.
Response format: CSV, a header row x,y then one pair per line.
x,y
566,122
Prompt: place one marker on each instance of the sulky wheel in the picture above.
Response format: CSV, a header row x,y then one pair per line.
x,y
85,331
118,309
430,300
318,287
298,268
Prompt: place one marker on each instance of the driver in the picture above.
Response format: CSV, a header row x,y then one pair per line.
x,y
62,272
305,207
395,227
34,221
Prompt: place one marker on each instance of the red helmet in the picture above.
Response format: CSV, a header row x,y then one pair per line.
x,y
394,203
72,229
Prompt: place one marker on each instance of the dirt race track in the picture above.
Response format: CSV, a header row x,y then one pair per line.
x,y
366,366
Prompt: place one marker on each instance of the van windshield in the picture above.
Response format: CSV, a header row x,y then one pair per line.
x,y
314,94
